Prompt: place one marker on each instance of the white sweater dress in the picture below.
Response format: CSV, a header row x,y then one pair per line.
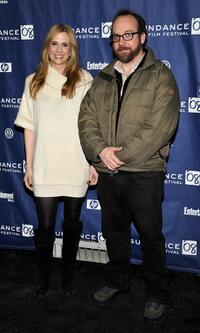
x,y
59,164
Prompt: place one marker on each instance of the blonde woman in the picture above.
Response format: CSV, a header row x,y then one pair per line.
x,y
55,163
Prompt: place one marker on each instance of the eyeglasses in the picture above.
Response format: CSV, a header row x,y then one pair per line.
x,y
127,36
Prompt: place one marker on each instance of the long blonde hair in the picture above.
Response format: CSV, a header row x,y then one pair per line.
x,y
73,71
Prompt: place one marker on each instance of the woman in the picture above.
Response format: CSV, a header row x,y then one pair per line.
x,y
55,163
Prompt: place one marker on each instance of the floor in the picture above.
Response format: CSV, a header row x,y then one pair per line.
x,y
22,312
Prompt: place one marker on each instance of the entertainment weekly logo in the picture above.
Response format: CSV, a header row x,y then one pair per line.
x,y
7,196
175,29
191,211
91,65
24,32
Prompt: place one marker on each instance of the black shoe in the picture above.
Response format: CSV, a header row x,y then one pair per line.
x,y
68,291
154,311
68,285
106,294
43,289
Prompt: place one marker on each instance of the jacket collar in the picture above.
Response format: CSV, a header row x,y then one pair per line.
x,y
109,72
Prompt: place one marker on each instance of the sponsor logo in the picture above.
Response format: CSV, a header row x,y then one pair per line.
x,y
24,32
175,29
87,32
194,104
13,167
3,2
189,247
10,230
173,248
89,238
5,67
8,133
106,29
93,32
10,102
167,63
7,196
96,65
183,106
135,242
191,211
174,178
100,237
170,247
168,30
93,204
192,177
195,26
59,233
27,230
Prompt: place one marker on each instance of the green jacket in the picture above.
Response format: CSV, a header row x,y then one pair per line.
x,y
147,121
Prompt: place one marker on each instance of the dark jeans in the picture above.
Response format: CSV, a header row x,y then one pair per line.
x,y
134,197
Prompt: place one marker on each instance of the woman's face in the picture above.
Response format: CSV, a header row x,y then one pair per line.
x,y
59,51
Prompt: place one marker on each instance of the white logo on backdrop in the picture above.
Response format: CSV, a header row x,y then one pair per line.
x,y
195,26
8,133
192,177
27,230
7,196
167,63
5,67
93,204
189,247
194,104
26,32
106,29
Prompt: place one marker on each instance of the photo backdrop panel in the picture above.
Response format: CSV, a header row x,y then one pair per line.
x,y
174,35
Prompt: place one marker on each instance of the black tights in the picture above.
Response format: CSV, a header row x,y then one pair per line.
x,y
47,207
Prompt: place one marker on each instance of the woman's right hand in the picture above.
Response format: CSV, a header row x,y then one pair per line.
x,y
28,179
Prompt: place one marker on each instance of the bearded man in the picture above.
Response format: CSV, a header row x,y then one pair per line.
x,y
126,122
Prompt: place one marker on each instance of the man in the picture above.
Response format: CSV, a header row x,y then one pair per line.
x,y
126,122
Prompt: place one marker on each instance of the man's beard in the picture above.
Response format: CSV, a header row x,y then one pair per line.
x,y
126,58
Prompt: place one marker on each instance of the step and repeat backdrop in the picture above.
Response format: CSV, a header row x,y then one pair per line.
x,y
174,34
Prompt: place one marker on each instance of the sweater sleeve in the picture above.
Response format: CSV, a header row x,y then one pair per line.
x,y
25,114
159,127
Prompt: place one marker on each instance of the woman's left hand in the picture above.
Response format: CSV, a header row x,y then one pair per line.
x,y
93,176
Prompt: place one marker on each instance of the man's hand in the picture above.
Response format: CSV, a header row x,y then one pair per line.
x,y
109,159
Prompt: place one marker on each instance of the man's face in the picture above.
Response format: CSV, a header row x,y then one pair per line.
x,y
125,50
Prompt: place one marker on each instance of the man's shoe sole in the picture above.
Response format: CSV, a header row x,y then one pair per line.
x,y
119,292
